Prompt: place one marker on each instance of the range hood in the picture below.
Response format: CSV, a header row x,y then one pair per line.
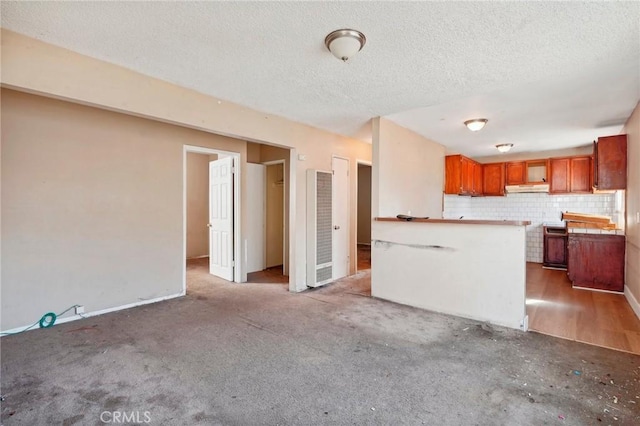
x,y
532,187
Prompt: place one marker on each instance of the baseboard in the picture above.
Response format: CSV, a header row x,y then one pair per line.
x,y
524,325
577,287
100,312
632,301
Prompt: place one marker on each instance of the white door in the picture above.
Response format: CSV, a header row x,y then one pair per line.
x,y
340,217
221,218
254,241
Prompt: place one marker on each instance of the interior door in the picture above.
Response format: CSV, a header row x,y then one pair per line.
x,y
255,231
221,218
340,217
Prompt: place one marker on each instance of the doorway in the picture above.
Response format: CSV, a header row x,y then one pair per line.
x,y
363,237
211,210
274,217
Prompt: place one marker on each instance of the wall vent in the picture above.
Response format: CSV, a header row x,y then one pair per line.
x,y
319,228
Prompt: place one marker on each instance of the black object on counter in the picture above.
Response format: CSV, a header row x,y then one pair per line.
x,y
409,218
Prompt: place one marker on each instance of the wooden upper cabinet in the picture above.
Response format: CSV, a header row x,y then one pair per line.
x,y
467,176
559,175
537,171
453,174
580,174
493,179
572,174
516,173
610,168
462,176
477,179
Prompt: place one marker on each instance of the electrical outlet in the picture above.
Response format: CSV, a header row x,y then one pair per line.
x,y
79,310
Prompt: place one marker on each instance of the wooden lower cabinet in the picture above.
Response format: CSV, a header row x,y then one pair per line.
x,y
596,261
555,247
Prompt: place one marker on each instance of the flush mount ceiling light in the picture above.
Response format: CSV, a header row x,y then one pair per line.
x,y
345,43
504,147
475,124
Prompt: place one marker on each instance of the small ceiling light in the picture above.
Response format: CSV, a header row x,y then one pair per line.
x,y
345,43
504,147
476,124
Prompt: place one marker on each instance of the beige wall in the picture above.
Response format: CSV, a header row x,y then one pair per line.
x,y
408,172
632,129
197,205
364,204
82,80
91,206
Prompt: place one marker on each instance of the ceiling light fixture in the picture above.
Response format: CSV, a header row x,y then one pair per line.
x,y
504,147
476,124
345,43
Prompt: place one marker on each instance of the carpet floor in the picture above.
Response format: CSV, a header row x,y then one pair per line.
x,y
253,354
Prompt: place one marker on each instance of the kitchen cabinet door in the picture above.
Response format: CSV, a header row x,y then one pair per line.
x,y
477,179
452,174
516,172
559,176
596,261
493,179
610,170
580,171
555,251
459,172
467,176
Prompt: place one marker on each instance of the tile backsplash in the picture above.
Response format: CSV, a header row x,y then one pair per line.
x,y
538,208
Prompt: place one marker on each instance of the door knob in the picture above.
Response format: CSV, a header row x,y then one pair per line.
x,y
209,225
336,227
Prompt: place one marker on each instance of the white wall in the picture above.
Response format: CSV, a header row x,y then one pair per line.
x,y
472,271
537,208
632,289
197,205
408,172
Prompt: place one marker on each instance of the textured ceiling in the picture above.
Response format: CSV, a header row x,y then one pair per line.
x,y
546,75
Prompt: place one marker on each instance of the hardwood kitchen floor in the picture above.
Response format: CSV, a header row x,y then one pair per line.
x,y
601,319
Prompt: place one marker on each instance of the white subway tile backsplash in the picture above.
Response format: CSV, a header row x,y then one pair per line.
x,y
537,208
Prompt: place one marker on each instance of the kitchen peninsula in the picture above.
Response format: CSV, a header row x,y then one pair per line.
x,y
470,268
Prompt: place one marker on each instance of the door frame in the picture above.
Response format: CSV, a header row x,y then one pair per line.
x,y
350,252
364,163
237,242
285,255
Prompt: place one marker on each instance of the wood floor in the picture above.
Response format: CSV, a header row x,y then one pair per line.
x,y
602,319
364,257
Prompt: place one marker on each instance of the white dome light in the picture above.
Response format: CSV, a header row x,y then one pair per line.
x,y
345,43
476,124
504,147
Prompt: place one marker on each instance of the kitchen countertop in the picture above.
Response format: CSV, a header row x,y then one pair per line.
x,y
458,221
